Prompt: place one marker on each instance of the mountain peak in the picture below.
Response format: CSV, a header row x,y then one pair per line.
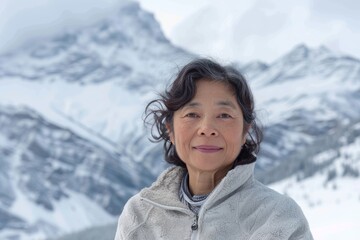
x,y
107,50
301,48
324,49
304,61
299,53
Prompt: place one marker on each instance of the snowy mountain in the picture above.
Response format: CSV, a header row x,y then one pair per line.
x,y
54,179
303,97
329,191
73,146
106,51
72,143
97,78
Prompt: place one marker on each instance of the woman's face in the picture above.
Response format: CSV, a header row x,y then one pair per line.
x,y
208,131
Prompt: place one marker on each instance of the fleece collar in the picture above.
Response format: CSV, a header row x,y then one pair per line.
x,y
165,190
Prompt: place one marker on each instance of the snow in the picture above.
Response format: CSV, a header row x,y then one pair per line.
x,y
70,214
78,212
87,110
324,156
332,212
332,207
92,111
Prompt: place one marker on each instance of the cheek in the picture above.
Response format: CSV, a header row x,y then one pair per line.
x,y
183,136
236,139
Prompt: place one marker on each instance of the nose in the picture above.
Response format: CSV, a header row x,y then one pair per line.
x,y
207,128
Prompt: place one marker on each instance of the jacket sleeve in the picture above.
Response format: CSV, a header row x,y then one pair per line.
x,y
133,216
127,221
123,223
286,222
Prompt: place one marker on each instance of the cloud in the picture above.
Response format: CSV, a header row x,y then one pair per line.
x,y
225,29
22,21
265,29
171,12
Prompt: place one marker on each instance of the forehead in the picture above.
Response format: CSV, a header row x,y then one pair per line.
x,y
212,91
214,88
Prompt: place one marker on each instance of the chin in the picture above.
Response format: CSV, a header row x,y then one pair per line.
x,y
211,167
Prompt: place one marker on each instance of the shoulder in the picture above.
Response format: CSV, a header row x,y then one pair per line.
x,y
166,183
134,212
166,187
138,208
281,215
264,196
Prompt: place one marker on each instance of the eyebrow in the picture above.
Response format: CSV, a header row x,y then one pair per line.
x,y
223,103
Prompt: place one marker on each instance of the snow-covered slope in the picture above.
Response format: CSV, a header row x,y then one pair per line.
x,y
54,181
330,197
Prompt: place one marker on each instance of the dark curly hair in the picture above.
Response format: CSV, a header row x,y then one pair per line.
x,y
183,89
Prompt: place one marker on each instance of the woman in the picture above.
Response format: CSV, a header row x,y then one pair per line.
x,y
207,122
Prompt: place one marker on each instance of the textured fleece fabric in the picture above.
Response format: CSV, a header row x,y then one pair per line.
x,y
239,208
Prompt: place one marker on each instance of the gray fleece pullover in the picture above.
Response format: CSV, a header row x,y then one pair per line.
x,y
239,208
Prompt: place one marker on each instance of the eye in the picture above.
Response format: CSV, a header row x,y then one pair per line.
x,y
192,115
224,115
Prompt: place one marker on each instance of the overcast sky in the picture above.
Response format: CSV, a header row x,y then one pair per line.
x,y
240,30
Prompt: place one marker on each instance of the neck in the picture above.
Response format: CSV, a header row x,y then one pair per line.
x,y
201,183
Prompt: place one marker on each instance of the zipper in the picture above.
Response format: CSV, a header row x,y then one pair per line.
x,y
195,225
194,228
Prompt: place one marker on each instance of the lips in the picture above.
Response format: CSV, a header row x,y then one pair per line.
x,y
208,148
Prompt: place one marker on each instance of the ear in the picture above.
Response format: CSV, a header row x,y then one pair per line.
x,y
170,133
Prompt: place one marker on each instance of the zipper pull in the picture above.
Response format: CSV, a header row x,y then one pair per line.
x,y
194,226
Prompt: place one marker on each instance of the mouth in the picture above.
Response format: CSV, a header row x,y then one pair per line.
x,y
208,148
